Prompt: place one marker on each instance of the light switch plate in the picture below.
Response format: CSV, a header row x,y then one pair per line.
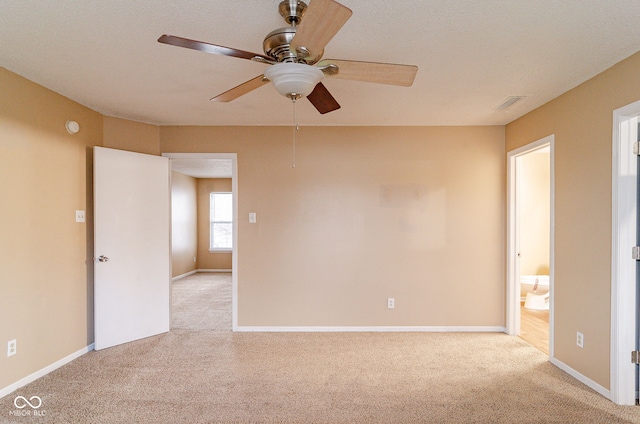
x,y
79,216
252,217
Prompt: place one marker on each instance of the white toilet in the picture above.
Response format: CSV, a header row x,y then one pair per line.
x,y
536,288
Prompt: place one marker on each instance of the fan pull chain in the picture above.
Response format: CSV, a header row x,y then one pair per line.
x,y
295,129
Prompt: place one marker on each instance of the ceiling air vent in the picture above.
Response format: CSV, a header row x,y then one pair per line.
x,y
509,101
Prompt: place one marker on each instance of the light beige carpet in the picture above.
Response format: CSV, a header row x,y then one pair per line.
x,y
202,302
201,372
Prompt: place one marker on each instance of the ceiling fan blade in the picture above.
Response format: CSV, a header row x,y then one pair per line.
x,y
241,89
380,73
211,48
322,99
322,20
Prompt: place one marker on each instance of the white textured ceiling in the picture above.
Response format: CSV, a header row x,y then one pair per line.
x,y
471,55
203,168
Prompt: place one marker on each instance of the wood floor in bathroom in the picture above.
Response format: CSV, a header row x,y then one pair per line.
x,y
534,328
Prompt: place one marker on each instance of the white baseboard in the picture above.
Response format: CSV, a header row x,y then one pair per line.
x,y
378,329
195,271
581,378
186,274
44,371
214,270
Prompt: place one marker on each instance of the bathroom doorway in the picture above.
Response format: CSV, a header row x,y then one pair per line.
x,y
530,244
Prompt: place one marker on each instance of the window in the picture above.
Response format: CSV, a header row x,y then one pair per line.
x,y
221,221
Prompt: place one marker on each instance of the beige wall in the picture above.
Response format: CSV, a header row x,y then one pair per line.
x,y
581,120
46,278
534,213
210,260
368,213
184,224
132,136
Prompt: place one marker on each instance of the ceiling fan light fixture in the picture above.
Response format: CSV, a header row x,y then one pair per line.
x,y
294,80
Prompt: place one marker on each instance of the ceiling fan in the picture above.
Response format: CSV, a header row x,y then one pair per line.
x,y
294,50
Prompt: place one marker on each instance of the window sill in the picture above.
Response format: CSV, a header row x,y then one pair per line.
x,y
220,250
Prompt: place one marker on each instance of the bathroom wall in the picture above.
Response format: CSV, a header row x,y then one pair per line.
x,y
535,212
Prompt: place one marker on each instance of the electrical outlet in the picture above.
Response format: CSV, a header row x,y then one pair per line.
x,y
11,348
580,339
391,303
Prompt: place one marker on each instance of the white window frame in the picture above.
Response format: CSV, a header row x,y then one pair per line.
x,y
212,222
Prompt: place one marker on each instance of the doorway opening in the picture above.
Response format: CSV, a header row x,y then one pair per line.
x,y
530,243
211,170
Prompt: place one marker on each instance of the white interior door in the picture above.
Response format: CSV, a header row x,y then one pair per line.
x,y
132,246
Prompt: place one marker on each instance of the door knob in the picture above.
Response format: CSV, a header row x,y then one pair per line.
x,y
103,258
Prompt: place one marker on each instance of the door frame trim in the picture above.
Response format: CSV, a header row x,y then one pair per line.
x,y
623,274
234,190
513,267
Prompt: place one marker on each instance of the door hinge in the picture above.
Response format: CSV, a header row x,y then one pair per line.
x,y
635,253
636,148
635,357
